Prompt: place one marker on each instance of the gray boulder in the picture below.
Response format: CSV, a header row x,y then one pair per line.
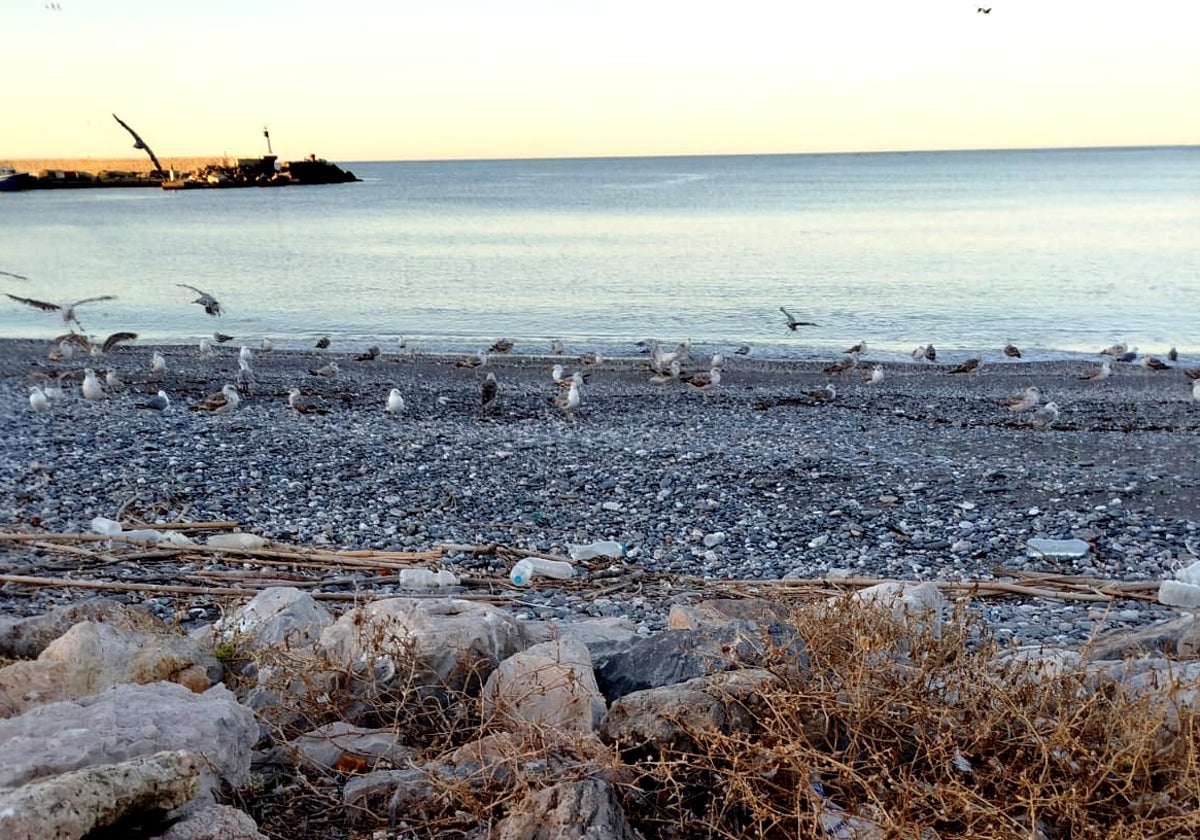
x,y
550,685
26,638
280,618
214,822
572,810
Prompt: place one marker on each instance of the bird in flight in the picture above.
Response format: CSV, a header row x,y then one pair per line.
x,y
792,323
14,276
67,309
210,303
984,11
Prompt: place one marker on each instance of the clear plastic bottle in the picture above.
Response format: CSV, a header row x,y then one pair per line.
x,y
426,578
107,527
1057,548
249,541
605,548
524,570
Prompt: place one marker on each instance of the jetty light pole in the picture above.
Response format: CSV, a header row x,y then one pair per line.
x,y
267,135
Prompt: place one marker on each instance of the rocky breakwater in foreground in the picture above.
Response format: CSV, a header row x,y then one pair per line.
x,y
447,717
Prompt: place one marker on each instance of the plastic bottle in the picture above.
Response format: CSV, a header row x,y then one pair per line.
x,y
107,527
1176,593
236,541
142,534
1057,548
605,548
524,570
1190,574
426,578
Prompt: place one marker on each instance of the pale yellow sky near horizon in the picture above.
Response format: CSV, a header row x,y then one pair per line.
x,y
368,80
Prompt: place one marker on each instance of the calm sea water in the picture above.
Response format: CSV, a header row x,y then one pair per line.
x,y
1056,250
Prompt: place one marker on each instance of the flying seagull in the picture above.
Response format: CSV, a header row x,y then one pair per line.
x,y
792,323
969,366
15,276
66,309
210,303
115,339
986,10
158,402
222,402
1022,401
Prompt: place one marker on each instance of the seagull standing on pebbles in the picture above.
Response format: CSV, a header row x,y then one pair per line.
x,y
1011,351
300,405
842,365
822,395
1114,350
329,371
322,343
210,304
488,391
244,354
37,399
857,349
1101,371
245,378
1044,416
1196,390
672,374
395,402
704,381
876,375
1023,401
158,402
220,403
969,366
370,355
111,380
205,347
1154,363
266,346
91,386
221,338
570,401
479,359
557,348
158,365
501,346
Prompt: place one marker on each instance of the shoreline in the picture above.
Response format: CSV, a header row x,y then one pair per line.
x,y
923,477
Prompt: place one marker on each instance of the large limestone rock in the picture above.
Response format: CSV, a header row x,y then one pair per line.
x,y
26,638
280,618
91,657
214,822
745,613
126,722
550,685
450,641
920,604
343,747
568,811
71,805
604,637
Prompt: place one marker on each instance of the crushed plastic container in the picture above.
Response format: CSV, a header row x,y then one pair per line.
x,y
245,541
143,534
176,538
1176,593
426,578
605,548
107,527
1057,548
524,570
1190,574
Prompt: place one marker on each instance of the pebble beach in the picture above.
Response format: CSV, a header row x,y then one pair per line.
x,y
923,476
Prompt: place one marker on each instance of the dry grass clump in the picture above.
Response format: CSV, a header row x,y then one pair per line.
x,y
896,732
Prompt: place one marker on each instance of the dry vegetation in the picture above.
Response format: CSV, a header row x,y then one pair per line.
x,y
883,732
94,165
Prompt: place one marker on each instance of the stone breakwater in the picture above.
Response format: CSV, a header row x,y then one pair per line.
x,y
921,477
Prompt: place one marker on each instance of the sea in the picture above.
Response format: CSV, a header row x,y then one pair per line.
x,y
1060,251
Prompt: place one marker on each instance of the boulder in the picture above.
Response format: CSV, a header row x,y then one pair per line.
x,y
919,603
343,747
280,618
1179,637
213,822
550,685
588,808
662,718
126,722
744,613
449,642
72,804
26,638
91,657
603,637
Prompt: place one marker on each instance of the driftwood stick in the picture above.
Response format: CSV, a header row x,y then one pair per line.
x,y
213,525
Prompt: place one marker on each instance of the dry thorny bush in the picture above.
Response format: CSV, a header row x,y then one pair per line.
x,y
886,728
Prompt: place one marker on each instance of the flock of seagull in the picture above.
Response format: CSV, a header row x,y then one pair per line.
x,y
666,367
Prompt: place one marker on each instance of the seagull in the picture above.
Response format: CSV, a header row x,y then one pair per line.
x,y
1044,416
1114,350
115,339
300,405
557,348
16,276
329,371
660,361
371,354
1193,373
221,338
158,402
67,310
983,10
569,401
704,381
969,366
792,323
556,373
501,346
210,304
876,375
266,346
205,347
1154,363
487,392
1011,351
91,386
842,365
591,359
52,387
61,352
1128,357
672,374
111,380
323,343
931,353
918,353
1172,354
395,402
1195,390
244,354
822,395
480,358
717,361
744,350
245,378
38,400
223,402
1023,401
857,349
1101,371
157,363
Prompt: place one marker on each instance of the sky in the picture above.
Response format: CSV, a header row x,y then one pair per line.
x,y
358,80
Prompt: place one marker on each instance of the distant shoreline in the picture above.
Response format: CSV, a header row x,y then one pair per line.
x,y
98,164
